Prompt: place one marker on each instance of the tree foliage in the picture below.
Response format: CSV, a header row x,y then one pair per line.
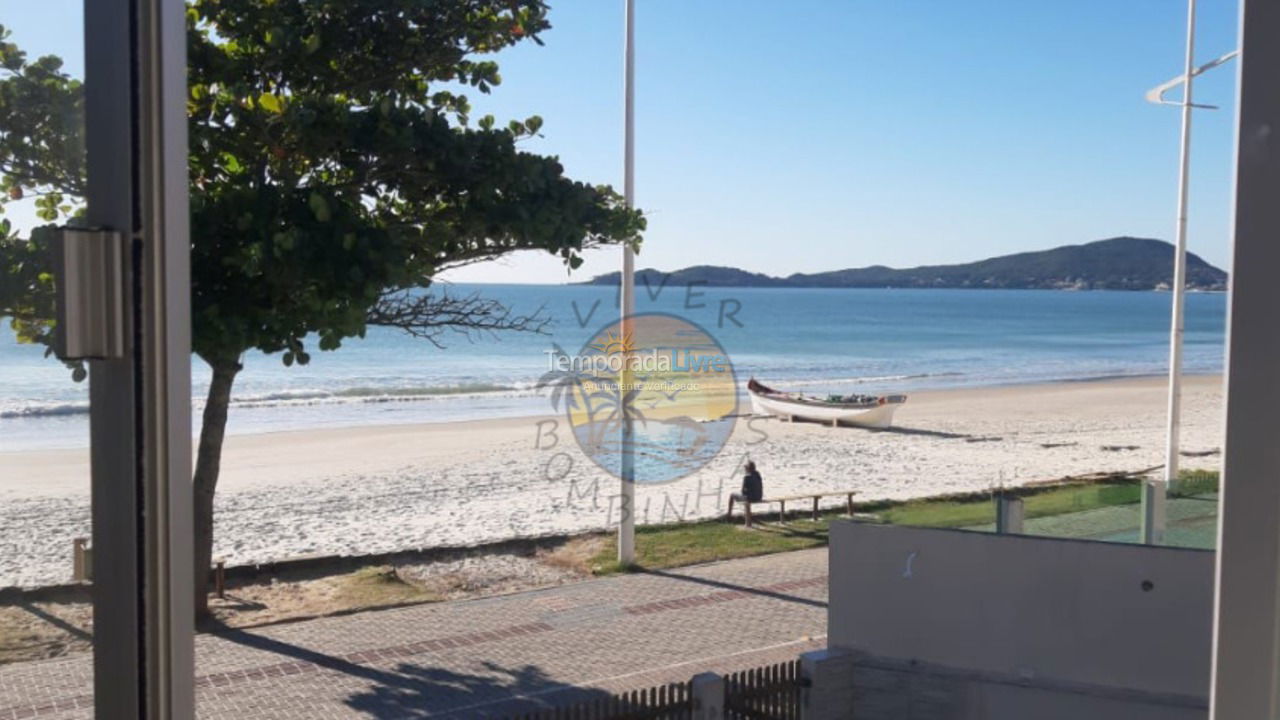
x,y
332,152
333,166
335,171
41,163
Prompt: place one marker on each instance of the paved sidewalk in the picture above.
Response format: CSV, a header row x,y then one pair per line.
x,y
486,657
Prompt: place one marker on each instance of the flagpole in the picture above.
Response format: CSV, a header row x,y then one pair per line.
x,y
627,499
1154,514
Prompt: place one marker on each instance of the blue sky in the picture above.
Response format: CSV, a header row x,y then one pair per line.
x,y
811,135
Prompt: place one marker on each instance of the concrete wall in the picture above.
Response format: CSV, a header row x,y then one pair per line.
x,y
954,624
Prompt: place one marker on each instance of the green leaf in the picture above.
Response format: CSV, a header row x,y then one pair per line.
x,y
231,163
271,103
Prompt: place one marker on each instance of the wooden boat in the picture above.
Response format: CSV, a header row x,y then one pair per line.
x,y
872,411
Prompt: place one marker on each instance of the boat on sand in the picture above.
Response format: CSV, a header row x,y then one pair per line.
x,y
871,411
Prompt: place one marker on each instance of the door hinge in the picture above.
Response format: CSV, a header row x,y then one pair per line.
x,y
89,274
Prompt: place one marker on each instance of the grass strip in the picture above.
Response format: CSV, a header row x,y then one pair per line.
x,y
679,544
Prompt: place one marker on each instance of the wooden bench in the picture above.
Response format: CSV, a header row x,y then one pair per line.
x,y
782,504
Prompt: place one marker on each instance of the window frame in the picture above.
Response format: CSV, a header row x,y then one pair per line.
x,y
140,406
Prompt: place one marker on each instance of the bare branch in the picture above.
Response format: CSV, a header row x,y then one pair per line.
x,y
429,315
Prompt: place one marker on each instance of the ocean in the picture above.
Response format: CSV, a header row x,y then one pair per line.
x,y
816,340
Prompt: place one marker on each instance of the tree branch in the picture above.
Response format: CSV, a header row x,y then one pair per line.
x,y
428,316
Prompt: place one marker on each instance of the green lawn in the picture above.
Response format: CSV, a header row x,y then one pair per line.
x,y
666,546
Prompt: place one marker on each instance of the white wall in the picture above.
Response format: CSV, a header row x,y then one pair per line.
x,y
976,625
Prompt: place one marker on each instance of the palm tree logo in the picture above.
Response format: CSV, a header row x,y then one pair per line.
x,y
621,407
684,424
568,387
591,399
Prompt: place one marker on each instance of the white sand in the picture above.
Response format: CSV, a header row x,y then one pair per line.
x,y
375,489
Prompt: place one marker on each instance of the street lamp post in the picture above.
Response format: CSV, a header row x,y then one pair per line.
x,y
627,301
1155,492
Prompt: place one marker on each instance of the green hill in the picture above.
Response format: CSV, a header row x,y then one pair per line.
x,y
1122,263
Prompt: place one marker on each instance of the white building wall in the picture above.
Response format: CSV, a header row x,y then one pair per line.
x,y
954,624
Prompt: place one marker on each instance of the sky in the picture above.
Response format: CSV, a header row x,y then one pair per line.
x,y
815,135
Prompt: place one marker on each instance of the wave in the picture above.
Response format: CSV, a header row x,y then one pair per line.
x,y
302,397
44,409
381,394
373,394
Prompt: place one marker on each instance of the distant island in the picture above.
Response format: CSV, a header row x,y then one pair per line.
x,y
1121,263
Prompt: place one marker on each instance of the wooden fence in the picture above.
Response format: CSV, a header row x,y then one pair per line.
x,y
663,702
771,692
765,693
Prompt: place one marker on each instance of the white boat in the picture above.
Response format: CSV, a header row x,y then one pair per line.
x,y
871,411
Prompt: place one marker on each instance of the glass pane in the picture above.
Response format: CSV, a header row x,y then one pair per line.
x,y
405,428
46,621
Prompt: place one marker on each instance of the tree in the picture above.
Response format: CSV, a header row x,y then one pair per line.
x,y
334,173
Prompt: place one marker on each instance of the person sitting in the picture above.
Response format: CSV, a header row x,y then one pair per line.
x,y
752,485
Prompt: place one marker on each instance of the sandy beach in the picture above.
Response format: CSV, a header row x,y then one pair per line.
x,y
376,489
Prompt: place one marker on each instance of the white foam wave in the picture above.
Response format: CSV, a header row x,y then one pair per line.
x,y
302,397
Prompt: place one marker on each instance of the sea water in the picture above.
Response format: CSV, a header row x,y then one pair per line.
x,y
816,340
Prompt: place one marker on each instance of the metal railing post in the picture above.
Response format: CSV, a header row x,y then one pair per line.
x,y
1009,514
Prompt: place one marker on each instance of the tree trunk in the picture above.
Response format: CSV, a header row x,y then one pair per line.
x,y
208,463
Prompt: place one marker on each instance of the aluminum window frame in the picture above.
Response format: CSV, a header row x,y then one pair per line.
x,y
1246,638
140,406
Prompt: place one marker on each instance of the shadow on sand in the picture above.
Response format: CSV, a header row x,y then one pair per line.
x,y
898,430
922,432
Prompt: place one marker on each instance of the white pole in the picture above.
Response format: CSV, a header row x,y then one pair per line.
x,y
1153,528
627,501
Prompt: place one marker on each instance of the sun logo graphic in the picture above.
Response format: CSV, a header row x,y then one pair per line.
x,y
653,386
612,344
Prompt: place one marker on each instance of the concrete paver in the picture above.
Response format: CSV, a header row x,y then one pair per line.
x,y
484,657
